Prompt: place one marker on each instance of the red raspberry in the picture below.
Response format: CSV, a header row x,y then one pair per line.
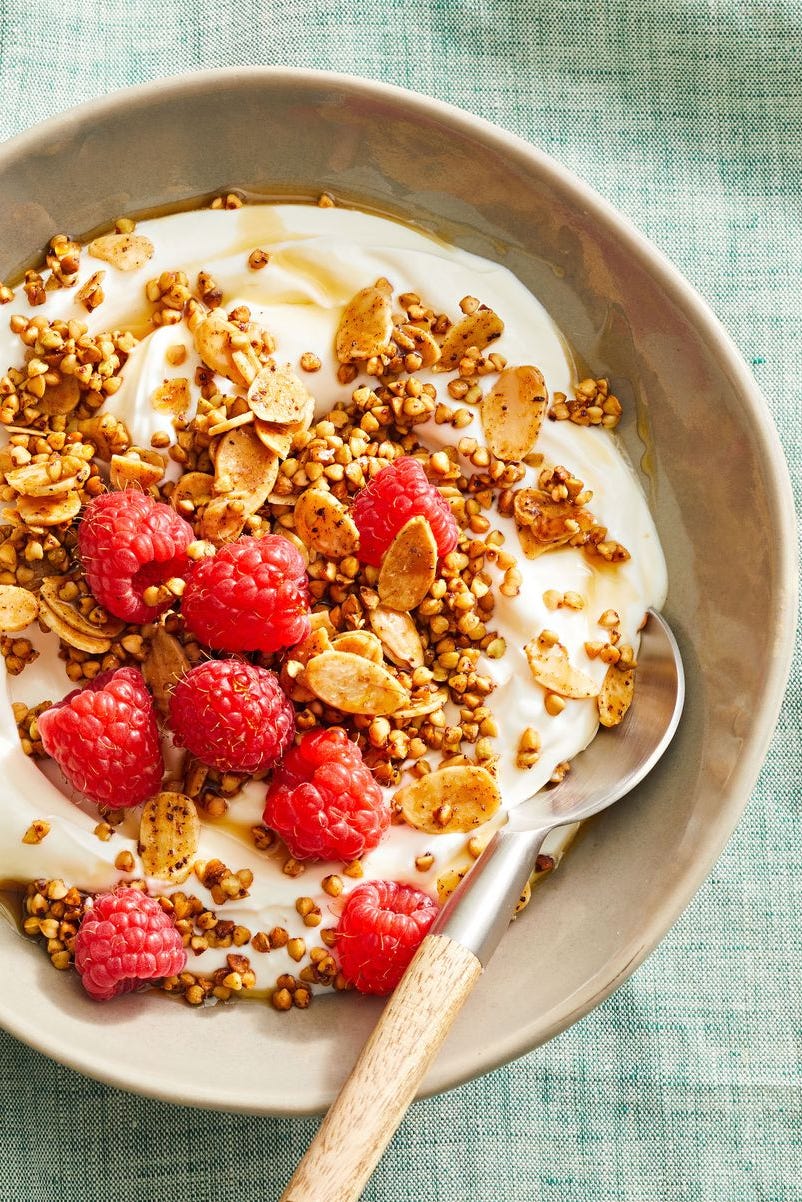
x,y
126,938
253,595
323,800
399,492
379,932
105,740
129,542
232,716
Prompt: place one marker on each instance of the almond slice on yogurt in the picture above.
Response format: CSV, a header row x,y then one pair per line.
x,y
476,329
126,252
325,525
551,668
277,395
18,608
512,412
169,834
366,326
452,799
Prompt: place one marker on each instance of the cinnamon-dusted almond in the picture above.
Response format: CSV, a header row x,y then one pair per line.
x,y
172,396
399,636
425,344
544,524
244,467
37,479
353,684
196,488
18,608
49,593
325,525
426,703
452,799
615,695
93,645
278,395
224,348
126,252
49,511
291,676
409,566
223,520
60,398
139,467
551,668
512,412
169,834
359,642
477,329
164,665
366,326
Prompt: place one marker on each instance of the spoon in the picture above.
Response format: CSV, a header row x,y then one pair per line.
x,y
466,932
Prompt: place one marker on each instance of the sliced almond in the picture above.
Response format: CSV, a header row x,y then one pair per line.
x,y
139,467
512,412
325,525
36,480
615,695
169,834
359,642
244,467
223,520
409,566
426,344
126,252
60,398
224,348
196,488
545,524
450,800
165,663
172,396
399,636
551,669
278,395
277,438
353,684
44,511
366,326
18,608
428,703
49,593
477,329
68,633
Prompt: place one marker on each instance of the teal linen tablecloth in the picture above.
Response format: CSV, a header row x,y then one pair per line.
x,y
685,1085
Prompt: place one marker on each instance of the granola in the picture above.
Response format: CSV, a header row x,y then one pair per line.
x,y
468,680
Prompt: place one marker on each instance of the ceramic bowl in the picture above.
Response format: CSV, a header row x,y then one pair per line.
x,y
710,462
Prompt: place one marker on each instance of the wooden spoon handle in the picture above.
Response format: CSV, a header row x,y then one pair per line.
x,y
374,1099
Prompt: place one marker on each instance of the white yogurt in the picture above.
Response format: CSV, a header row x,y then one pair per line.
x,y
318,259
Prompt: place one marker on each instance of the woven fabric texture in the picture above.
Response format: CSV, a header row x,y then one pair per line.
x,y
687,115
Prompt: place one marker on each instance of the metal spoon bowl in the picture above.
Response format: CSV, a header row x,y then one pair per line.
x,y
617,760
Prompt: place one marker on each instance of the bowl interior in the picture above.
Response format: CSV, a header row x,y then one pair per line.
x,y
710,463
